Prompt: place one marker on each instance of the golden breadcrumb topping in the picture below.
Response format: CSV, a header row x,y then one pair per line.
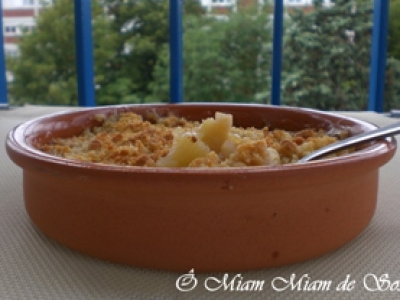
x,y
129,139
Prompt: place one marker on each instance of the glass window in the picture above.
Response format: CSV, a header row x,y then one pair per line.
x,y
10,29
29,2
29,28
221,1
11,52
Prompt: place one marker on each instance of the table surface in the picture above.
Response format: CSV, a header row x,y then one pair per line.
x,y
34,267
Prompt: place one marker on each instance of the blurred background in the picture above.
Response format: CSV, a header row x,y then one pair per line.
x,y
227,52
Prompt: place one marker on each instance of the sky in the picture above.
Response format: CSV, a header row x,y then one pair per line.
x,y
11,3
14,3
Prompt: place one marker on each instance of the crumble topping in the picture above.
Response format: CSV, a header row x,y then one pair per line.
x,y
130,139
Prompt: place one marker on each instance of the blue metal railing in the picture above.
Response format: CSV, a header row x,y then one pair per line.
x,y
84,53
277,44
176,51
378,56
3,77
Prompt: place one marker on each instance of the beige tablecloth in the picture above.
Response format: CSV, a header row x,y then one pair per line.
x,y
34,267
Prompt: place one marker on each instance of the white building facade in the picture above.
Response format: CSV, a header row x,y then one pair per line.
x,y
213,4
18,15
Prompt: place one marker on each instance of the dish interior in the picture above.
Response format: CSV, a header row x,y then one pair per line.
x,y
64,125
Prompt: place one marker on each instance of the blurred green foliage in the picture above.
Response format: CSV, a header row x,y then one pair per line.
x,y
394,29
223,60
327,58
128,36
326,55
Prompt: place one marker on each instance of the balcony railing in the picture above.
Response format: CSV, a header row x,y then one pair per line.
x,y
84,54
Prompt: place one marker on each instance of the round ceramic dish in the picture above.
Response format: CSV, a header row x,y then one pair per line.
x,y
177,219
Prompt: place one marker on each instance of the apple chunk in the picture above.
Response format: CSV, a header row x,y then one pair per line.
x,y
185,149
214,132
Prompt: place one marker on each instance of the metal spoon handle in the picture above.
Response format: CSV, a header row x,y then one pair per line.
x,y
354,140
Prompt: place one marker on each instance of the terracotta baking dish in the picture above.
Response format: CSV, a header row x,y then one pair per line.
x,y
228,219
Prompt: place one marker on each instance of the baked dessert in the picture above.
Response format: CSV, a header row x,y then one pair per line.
x,y
130,139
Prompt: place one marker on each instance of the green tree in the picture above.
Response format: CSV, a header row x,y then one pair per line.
x,y
223,60
45,72
142,27
324,67
394,29
127,36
